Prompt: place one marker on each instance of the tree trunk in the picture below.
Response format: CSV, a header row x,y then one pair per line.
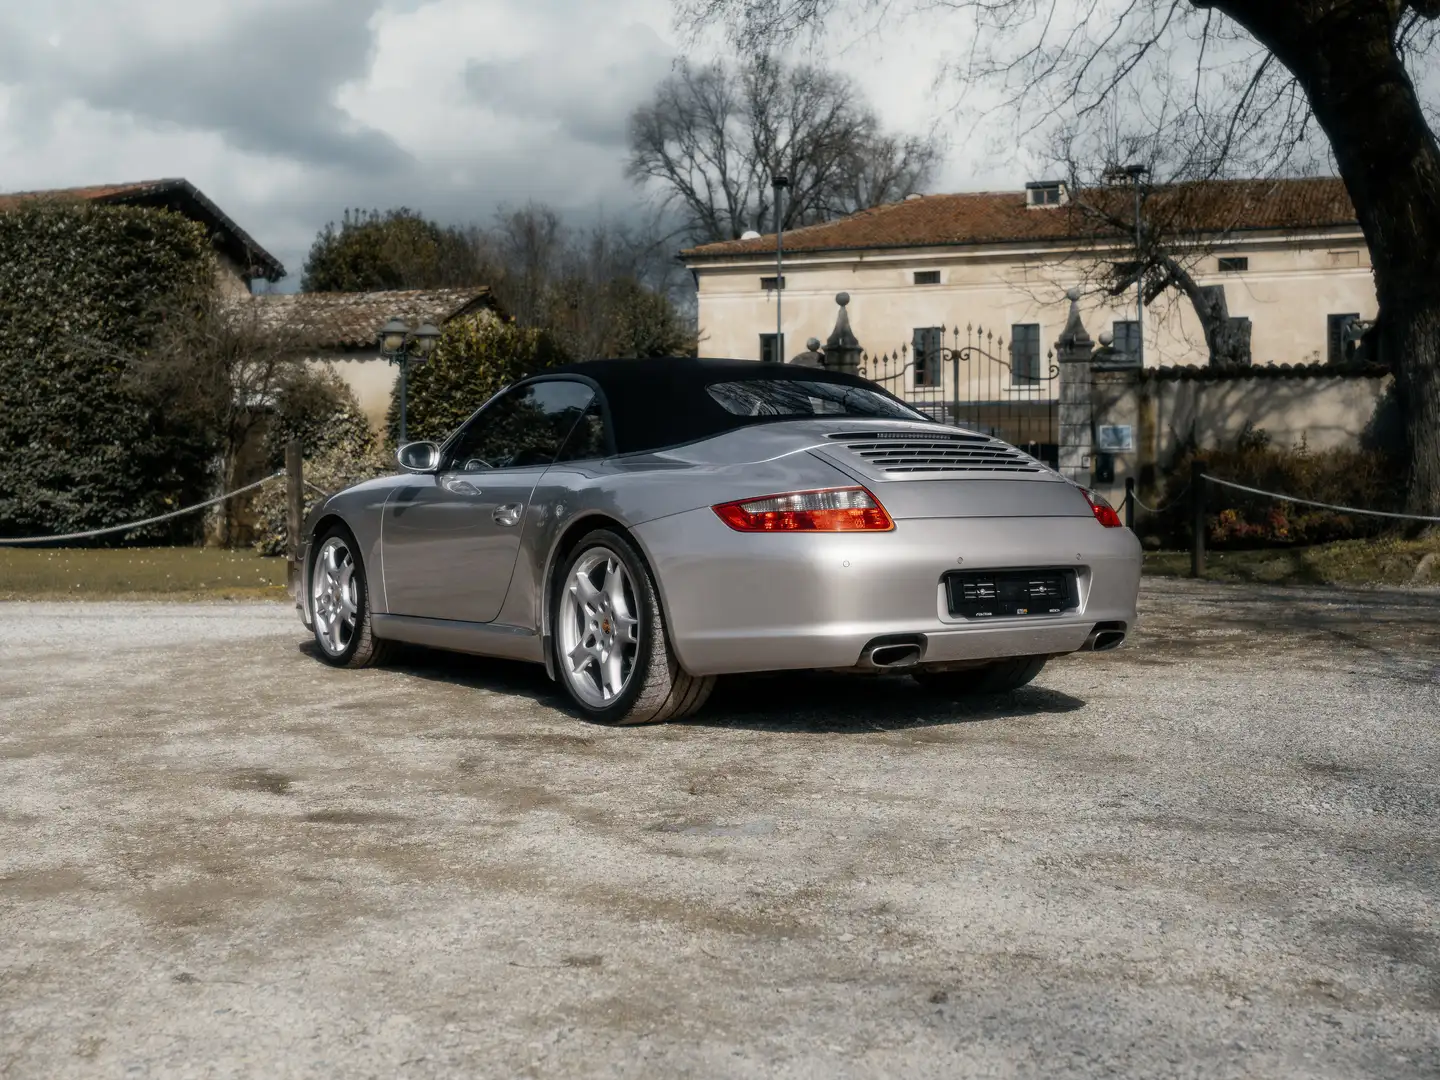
x,y
1343,56
1411,344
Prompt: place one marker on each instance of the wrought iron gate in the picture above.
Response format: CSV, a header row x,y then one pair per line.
x,y
971,378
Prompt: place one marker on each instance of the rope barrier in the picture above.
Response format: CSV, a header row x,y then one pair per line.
x,y
1322,506
141,524
1169,506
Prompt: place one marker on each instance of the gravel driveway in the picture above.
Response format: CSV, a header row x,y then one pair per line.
x,y
1213,853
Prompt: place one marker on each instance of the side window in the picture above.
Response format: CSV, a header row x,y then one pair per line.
x,y
587,438
527,426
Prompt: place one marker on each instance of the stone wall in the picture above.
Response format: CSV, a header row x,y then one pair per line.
x,y
1168,409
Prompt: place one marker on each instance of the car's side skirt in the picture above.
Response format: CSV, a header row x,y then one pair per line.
x,y
480,639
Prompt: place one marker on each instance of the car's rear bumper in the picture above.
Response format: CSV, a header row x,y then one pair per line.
x,y
738,602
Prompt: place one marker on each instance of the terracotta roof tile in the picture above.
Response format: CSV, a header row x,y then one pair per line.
x,y
349,322
1003,217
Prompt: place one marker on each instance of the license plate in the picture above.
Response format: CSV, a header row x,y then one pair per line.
x,y
991,594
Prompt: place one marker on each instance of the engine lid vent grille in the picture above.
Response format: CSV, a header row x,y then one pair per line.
x,y
910,453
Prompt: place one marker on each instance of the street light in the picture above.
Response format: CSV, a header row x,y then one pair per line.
x,y
401,345
1133,173
780,182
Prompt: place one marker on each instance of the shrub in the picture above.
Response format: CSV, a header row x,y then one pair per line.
x,y
338,445
1362,478
80,292
317,407
475,358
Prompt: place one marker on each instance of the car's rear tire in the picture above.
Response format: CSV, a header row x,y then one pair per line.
x,y
998,678
340,603
608,637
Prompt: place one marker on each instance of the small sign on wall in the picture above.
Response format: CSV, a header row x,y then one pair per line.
x,y
1115,438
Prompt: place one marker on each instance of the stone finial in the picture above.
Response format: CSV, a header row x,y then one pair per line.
x,y
842,337
811,357
1074,338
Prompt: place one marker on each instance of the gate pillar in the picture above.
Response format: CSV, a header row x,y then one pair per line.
x,y
1074,352
842,349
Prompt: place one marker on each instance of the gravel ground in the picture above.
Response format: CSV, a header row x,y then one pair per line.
x,y
1212,853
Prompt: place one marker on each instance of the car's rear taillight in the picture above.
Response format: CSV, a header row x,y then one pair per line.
x,y
1105,514
832,510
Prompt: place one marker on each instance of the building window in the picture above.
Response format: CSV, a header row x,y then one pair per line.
x,y
1045,193
927,277
1127,338
768,353
1337,350
929,344
1233,264
769,283
1025,354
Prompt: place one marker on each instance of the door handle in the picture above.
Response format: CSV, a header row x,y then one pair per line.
x,y
508,514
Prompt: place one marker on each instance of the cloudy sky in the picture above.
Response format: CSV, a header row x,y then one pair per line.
x,y
287,111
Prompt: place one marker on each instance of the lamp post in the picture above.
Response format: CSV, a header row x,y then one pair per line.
x,y
780,182
1134,172
401,345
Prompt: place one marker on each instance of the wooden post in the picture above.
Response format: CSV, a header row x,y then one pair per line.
x,y
1197,519
294,509
1130,503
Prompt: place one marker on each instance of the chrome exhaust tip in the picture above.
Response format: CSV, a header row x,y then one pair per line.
x,y
895,653
1104,637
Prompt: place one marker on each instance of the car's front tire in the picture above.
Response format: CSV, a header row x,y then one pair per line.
x,y
998,678
609,640
340,603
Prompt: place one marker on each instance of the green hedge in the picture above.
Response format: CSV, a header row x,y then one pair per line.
x,y
79,292
476,357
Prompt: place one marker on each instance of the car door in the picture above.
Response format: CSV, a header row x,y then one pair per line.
x,y
450,540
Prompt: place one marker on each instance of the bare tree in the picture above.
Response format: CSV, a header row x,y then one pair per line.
x,y
605,290
219,364
1128,231
1258,78
714,136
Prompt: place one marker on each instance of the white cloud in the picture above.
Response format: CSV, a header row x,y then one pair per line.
x,y
286,112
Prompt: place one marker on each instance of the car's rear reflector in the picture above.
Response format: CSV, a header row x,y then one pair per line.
x,y
1105,514
831,510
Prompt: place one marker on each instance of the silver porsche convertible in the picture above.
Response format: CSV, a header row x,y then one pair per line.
x,y
641,527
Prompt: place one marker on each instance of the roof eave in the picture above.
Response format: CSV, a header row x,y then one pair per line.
x,y
256,258
694,256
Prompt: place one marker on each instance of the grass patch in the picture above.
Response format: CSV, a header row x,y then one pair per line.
x,y
139,574
1345,562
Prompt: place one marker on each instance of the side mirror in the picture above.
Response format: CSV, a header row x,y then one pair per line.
x,y
419,457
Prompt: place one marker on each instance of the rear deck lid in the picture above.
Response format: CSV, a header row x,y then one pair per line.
x,y
924,473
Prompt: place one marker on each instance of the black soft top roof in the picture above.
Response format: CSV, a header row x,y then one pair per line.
x,y
662,401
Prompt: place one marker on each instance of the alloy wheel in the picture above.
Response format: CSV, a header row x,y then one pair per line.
x,y
335,596
598,628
